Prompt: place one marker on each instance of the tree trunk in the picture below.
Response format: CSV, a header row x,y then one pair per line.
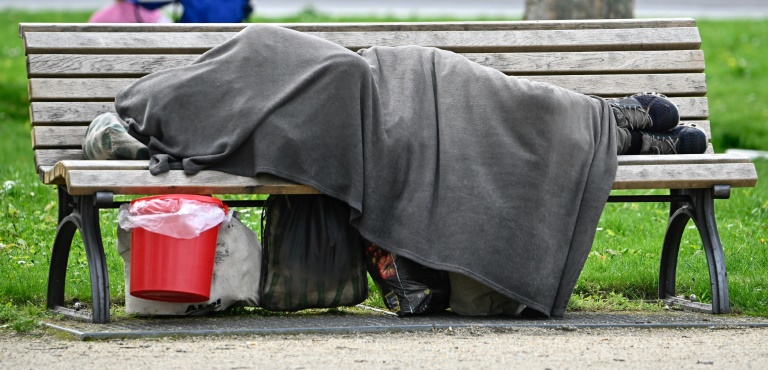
x,y
579,9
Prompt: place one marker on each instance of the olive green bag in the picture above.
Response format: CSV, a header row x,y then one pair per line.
x,y
312,256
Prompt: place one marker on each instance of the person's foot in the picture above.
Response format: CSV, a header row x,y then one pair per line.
x,y
645,112
680,140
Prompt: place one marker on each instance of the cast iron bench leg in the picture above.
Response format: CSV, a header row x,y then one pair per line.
x,y
701,209
79,214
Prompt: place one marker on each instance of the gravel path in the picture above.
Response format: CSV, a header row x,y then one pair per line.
x,y
529,348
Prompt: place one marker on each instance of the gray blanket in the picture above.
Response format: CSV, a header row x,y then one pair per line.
x,y
443,161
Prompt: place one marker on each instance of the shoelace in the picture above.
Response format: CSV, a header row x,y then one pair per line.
x,y
657,149
649,93
632,114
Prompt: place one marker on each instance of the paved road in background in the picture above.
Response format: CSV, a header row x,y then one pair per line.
x,y
644,8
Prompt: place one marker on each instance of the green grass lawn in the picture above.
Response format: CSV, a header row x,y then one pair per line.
x,y
621,270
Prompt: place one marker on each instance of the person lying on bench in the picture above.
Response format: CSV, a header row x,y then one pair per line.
x,y
452,164
646,123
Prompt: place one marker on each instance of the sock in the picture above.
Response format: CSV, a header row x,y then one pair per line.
x,y
636,142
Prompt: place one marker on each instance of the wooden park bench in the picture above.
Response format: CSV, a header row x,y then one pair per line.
x,y
75,70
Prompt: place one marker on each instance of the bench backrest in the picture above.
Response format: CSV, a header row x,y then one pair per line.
x,y
75,70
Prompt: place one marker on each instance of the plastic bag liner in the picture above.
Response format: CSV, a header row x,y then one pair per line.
x,y
407,288
179,216
311,254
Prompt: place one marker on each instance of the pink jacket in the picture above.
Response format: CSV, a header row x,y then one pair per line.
x,y
126,12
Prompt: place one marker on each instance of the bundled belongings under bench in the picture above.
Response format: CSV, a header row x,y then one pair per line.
x,y
309,257
455,184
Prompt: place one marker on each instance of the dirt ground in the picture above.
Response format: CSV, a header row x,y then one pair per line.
x,y
528,348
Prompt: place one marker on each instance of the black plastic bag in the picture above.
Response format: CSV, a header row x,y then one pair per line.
x,y
407,288
311,254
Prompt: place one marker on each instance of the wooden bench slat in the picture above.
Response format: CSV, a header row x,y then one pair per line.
x,y
620,84
592,62
692,108
640,160
58,137
522,40
57,173
206,182
601,85
67,113
71,137
81,113
103,65
76,88
685,176
533,40
361,27
623,160
49,157
65,65
132,177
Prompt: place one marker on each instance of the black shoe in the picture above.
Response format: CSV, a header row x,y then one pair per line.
x,y
680,140
645,112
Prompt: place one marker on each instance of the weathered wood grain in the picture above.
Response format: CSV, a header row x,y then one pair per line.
x,y
71,137
81,113
49,157
65,65
67,113
76,89
685,176
506,40
81,182
58,172
656,61
58,137
689,84
41,65
132,177
692,108
623,160
636,160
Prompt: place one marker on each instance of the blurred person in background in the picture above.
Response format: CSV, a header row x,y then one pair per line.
x,y
204,11
123,11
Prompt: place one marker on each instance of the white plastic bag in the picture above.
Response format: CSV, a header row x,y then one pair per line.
x,y
178,218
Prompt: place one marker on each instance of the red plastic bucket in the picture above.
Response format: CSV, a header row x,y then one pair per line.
x,y
164,268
